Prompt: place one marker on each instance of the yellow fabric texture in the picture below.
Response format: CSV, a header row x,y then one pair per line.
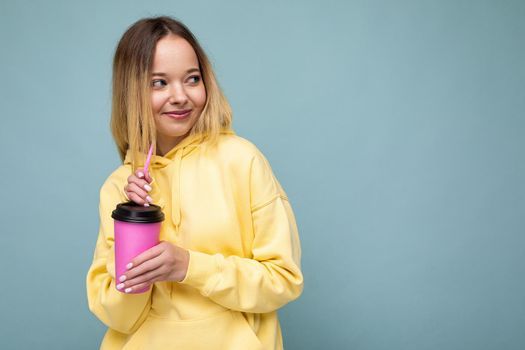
x,y
227,208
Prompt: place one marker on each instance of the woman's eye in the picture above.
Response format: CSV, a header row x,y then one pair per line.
x,y
194,79
155,83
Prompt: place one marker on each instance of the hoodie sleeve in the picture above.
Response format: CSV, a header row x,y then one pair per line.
x,y
271,277
119,311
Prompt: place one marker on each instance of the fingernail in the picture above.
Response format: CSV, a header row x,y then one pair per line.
x,y
122,278
141,174
146,204
149,199
129,266
147,187
120,286
127,290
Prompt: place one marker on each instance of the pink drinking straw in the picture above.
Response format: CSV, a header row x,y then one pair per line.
x,y
148,160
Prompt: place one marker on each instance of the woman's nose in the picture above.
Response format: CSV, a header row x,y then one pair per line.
x,y
178,95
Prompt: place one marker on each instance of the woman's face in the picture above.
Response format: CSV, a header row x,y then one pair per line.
x,y
178,94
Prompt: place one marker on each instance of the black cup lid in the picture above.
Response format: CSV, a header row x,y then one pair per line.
x,y
136,213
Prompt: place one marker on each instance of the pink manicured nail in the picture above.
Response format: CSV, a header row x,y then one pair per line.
x,y
141,174
122,278
146,204
149,199
120,286
147,187
129,266
127,290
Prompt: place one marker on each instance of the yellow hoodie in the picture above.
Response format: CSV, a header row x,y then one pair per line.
x,y
227,208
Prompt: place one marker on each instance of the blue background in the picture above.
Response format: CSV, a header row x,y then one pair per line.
x,y
396,128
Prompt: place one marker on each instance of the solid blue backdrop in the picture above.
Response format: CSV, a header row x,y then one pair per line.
x,y
396,128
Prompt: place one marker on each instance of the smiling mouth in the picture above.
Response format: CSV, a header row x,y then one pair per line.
x,y
179,114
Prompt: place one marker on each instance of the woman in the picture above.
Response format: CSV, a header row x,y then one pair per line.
x,y
229,252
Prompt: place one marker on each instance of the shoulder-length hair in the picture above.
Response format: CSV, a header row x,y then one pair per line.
x,y
132,120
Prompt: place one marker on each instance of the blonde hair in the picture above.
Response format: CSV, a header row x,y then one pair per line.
x,y
132,120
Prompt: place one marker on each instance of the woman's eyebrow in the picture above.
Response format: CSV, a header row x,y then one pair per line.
x,y
191,70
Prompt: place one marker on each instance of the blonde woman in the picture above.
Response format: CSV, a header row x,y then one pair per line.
x,y
229,251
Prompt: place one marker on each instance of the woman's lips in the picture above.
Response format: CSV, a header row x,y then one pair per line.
x,y
179,114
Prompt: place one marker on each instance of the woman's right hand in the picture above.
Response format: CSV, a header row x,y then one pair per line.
x,y
138,187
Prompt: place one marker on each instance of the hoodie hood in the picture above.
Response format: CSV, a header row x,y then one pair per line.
x,y
175,156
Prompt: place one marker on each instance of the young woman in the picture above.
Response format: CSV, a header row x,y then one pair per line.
x,y
229,251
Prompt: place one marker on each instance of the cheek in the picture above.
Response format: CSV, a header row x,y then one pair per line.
x,y
157,102
200,97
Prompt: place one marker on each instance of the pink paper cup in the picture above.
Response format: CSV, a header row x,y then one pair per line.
x,y
137,229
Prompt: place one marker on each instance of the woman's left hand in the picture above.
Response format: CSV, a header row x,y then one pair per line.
x,y
163,262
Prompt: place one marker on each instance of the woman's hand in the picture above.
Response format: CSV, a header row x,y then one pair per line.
x,y
163,262
138,187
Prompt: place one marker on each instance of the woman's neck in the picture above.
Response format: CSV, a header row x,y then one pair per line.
x,y
164,145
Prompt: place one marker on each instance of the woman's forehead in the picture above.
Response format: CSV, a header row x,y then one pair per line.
x,y
174,54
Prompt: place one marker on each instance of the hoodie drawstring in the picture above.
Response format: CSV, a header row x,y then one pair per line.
x,y
175,189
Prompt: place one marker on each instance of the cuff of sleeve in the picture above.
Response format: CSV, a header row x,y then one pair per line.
x,y
203,273
124,310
